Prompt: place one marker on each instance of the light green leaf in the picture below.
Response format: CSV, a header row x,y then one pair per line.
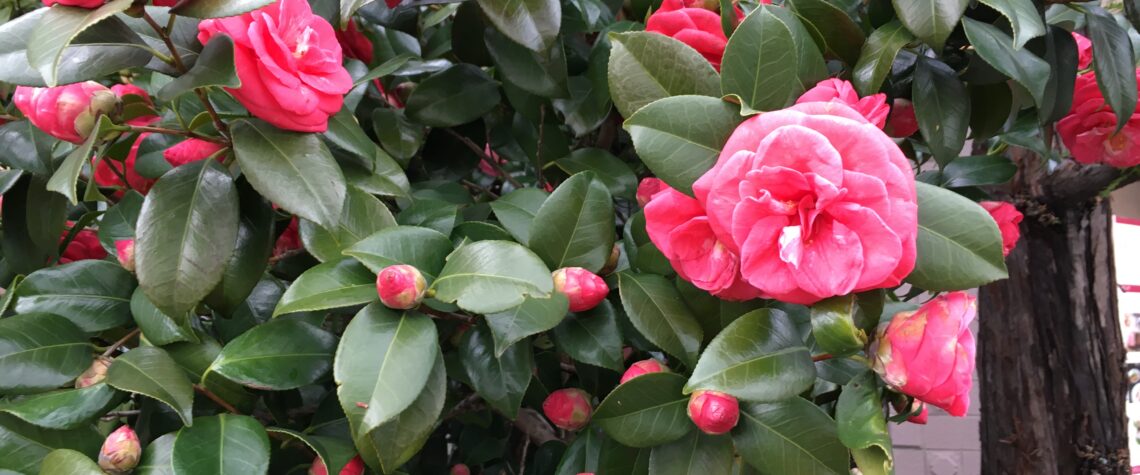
x,y
492,276
40,351
656,310
225,444
342,283
679,138
646,66
862,427
646,411
281,354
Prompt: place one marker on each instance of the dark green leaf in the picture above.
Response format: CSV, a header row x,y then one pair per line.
x,y
195,358
531,23
833,325
153,373
492,276
592,337
399,136
942,108
94,295
70,462
89,56
362,216
454,96
217,8
64,409
861,426
575,225
1060,51
336,284
978,170
24,446
255,243
608,169
792,436
1023,18
40,351
931,21
589,103
64,180
33,221
159,328
959,246
1114,64
758,357
696,453
770,60
679,138
423,248
535,315
878,55
392,443
215,67
334,452
840,35
55,31
645,67
646,411
284,353
430,213
582,455
542,73
1021,65
223,444
516,211
656,310
119,220
500,380
156,457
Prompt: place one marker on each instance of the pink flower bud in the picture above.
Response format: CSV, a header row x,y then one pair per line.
x,y
94,374
400,286
125,250
289,240
121,451
642,367
1084,51
713,412
647,189
901,122
353,467
583,288
929,353
922,415
1008,218
89,4
354,44
486,167
191,150
460,469
66,112
568,408
85,245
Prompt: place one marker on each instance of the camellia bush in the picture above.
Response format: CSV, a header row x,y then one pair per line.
x,y
507,237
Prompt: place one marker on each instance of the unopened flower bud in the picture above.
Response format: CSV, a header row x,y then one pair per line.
x,y
583,288
901,121
66,112
642,367
460,469
103,102
121,451
713,412
568,408
647,189
94,374
353,467
125,250
612,261
400,286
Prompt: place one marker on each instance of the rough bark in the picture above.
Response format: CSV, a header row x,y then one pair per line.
x,y
1050,350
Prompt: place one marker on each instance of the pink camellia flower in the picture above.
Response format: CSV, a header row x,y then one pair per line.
x,y
109,173
1084,51
125,251
642,367
460,469
75,3
1088,130
354,44
713,412
803,204
121,451
901,123
568,408
165,3
192,150
85,245
697,27
873,107
65,112
486,167
289,64
353,467
929,353
400,286
289,240
1008,218
94,374
647,189
584,289
922,415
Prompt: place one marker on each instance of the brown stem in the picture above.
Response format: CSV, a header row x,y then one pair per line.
x,y
217,400
181,66
822,357
184,133
122,341
522,457
531,423
445,315
117,414
486,157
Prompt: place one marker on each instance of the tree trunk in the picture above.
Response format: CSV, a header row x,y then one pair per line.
x,y
1050,351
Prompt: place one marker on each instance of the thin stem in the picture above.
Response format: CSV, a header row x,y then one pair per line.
x,y
122,341
181,66
117,414
217,400
822,357
119,173
479,151
477,187
522,457
445,315
184,133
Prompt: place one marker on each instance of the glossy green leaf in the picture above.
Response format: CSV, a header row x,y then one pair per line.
x,y
156,456
978,170
792,436
770,60
346,134
70,462
646,411
942,108
348,7
55,31
878,55
217,8
334,452
159,328
959,246
362,215
758,357
645,67
430,213
534,315
833,325
383,363
284,353
516,210
862,427
575,225
40,351
1023,18
336,284
930,21
589,103
393,443
88,56
195,359
24,446
295,171
255,243
399,136
1060,51
608,169
187,231
215,67
994,46
501,380
33,221
94,295
656,310
64,409
531,23
1114,63
592,337
119,221
542,73
423,248
614,458
153,373
582,455
454,96
695,453
679,138
838,34
492,276
224,444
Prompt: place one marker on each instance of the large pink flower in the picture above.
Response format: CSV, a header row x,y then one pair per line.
x,y
1088,130
929,353
873,107
1084,51
696,27
289,63
803,204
